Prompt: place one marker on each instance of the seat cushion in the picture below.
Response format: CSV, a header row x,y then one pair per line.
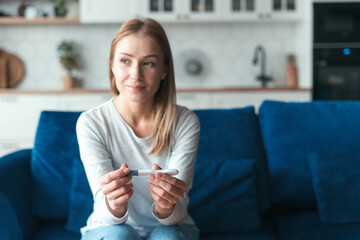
x,y
336,182
55,230
265,233
291,130
224,198
234,134
52,159
307,225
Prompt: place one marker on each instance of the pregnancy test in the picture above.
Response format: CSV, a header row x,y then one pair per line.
x,y
147,172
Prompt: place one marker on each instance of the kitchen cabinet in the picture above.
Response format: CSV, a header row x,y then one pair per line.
x,y
107,11
181,10
115,11
263,10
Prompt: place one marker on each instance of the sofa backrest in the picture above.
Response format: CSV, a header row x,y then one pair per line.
x,y
291,131
54,149
230,152
227,194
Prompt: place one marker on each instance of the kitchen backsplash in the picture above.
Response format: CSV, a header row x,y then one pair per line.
x,y
226,51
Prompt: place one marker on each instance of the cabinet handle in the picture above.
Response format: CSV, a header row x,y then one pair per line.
x,y
178,17
268,15
9,99
261,15
186,17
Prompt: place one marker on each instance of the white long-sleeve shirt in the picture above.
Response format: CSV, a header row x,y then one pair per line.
x,y
106,141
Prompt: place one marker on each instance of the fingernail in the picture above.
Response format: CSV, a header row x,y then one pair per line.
x,y
126,170
159,175
151,177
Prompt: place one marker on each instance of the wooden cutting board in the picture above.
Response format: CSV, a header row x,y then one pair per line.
x,y
12,70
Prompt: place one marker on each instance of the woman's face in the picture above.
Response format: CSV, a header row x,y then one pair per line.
x,y
138,67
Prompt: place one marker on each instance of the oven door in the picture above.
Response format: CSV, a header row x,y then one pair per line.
x,y
337,22
336,74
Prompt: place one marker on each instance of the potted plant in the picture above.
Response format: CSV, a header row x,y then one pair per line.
x,y
60,8
68,60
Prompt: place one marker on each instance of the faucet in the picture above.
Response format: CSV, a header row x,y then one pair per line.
x,y
262,77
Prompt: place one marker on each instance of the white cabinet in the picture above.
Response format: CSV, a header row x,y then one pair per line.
x,y
263,10
181,10
118,11
107,11
20,114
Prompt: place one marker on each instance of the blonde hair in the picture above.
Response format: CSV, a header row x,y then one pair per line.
x,y
165,97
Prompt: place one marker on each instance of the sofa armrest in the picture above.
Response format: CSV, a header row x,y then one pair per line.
x,y
15,186
9,224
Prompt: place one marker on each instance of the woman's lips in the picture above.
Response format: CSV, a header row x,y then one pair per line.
x,y
135,87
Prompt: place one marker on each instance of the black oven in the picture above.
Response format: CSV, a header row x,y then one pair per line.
x,y
336,73
336,51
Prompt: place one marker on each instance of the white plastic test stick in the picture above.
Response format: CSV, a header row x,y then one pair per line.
x,y
147,172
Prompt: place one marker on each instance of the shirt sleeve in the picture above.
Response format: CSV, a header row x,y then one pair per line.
x,y
183,157
97,162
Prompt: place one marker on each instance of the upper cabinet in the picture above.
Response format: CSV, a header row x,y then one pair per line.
x,y
108,11
263,10
181,10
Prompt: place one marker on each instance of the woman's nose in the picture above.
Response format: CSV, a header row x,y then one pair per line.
x,y
136,72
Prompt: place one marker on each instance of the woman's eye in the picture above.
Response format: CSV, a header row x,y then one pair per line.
x,y
151,64
126,61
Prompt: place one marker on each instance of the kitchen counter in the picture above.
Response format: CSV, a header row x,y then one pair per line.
x,y
179,90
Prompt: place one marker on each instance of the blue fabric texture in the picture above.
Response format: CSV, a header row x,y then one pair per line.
x,y
55,230
265,233
15,184
81,200
9,225
234,134
307,225
52,159
223,198
291,130
336,182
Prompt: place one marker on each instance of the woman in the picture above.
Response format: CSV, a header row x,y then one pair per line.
x,y
140,128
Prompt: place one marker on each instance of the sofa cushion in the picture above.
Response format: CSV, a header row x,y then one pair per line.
x,y
234,134
52,156
223,198
265,233
336,182
291,130
81,200
307,225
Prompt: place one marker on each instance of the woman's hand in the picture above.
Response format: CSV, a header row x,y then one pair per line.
x,y
117,189
166,192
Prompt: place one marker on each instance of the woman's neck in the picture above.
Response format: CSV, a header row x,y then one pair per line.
x,y
139,116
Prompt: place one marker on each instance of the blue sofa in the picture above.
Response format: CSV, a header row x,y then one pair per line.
x,y
289,172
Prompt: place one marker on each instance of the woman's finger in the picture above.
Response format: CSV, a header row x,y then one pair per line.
x,y
162,193
172,180
123,190
163,203
111,176
115,184
171,189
